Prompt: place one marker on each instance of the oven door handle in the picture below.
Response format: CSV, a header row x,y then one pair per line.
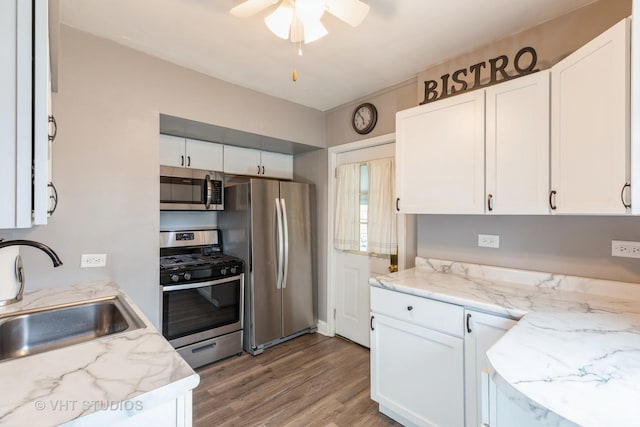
x,y
169,288
280,248
285,234
209,191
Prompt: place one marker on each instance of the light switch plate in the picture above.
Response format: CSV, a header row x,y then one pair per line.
x,y
488,241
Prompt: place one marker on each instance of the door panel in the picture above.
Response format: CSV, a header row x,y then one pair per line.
x,y
266,297
298,308
352,270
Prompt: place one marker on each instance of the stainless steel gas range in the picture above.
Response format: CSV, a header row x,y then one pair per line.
x,y
202,296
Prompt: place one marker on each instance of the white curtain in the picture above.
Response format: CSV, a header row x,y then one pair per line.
x,y
382,230
347,214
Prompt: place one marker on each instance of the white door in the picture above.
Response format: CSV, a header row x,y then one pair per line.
x,y
352,270
417,373
204,155
440,156
276,165
590,165
172,151
482,331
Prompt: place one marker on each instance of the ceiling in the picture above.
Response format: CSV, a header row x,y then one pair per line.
x,y
397,40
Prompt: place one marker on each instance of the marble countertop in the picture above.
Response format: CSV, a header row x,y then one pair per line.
x,y
574,355
112,377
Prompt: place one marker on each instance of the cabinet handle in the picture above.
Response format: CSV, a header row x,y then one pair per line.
x,y
627,206
54,197
490,202
181,160
258,169
398,204
552,195
51,137
469,322
262,170
409,308
371,322
188,161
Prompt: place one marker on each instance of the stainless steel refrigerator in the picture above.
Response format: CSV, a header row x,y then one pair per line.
x,y
268,224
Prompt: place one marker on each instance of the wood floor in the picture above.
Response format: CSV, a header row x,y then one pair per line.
x,y
312,380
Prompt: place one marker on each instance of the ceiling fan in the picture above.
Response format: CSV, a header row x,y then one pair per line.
x,y
299,20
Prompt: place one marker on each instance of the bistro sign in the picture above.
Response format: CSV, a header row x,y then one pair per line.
x,y
524,62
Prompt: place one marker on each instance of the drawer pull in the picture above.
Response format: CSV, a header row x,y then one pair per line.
x,y
410,308
203,348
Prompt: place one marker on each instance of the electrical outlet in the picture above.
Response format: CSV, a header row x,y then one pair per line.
x,y
488,241
624,249
93,260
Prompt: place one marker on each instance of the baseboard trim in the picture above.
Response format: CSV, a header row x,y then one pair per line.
x,y
323,329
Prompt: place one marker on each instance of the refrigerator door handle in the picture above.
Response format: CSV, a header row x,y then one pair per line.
x,y
280,249
285,233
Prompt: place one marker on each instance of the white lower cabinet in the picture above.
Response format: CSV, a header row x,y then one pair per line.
x,y
417,365
429,364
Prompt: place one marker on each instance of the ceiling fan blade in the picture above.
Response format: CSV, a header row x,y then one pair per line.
x,y
251,7
352,12
280,20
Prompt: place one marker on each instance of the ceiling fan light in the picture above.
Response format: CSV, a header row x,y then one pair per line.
x,y
308,10
352,12
313,30
279,21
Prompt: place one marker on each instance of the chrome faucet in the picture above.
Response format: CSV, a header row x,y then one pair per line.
x,y
19,270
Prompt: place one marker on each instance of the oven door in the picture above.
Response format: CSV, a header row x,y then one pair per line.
x,y
197,311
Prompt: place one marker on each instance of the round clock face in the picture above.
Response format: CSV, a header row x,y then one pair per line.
x,y
364,118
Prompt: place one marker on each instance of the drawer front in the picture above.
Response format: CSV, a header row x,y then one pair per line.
x,y
436,315
211,350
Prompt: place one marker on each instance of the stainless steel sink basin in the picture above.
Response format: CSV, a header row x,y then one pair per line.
x,y
35,331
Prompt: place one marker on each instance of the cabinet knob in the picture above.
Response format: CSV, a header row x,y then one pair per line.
x,y
410,308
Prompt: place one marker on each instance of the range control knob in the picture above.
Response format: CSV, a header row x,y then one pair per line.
x,y
175,277
233,270
223,271
187,276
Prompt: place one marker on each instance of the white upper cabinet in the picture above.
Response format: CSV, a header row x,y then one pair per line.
x,y
250,162
440,156
517,146
590,136
190,153
24,145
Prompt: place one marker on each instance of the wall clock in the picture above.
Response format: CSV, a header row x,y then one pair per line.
x,y
364,118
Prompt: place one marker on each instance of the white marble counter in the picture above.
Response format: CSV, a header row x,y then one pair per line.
x,y
574,352
107,379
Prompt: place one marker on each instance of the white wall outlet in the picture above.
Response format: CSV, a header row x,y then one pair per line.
x,y
625,249
93,260
488,241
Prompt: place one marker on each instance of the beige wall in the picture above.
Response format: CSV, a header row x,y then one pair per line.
x,y
105,157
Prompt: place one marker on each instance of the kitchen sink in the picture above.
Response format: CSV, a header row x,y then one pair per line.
x,y
28,332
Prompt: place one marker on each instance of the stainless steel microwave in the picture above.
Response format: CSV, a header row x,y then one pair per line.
x,y
185,189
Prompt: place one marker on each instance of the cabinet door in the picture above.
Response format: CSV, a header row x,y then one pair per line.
x,y
241,161
416,373
517,151
172,151
590,125
276,165
203,155
440,156
482,331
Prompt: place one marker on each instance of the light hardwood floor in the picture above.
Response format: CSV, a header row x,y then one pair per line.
x,y
312,380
